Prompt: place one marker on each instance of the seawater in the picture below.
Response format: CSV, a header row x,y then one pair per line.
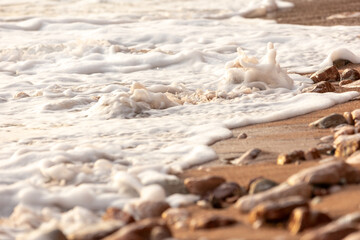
x,y
100,99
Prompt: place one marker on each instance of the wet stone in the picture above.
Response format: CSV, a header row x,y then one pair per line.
x,y
355,114
348,117
203,185
312,154
326,74
320,87
247,157
261,185
350,74
139,230
209,222
149,209
226,194
176,217
272,211
332,120
346,145
290,157
117,214
341,62
303,218
345,82
346,130
242,136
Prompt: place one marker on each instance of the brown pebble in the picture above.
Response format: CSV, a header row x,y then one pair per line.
x,y
242,136
303,218
329,121
214,221
150,209
247,157
341,62
350,74
355,114
345,130
346,145
290,157
203,185
326,74
226,194
320,87
345,82
276,210
261,185
176,217
312,154
348,117
325,148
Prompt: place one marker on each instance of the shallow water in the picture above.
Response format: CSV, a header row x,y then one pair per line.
x,y
92,91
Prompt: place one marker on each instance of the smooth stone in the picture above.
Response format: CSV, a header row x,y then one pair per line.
x,y
327,139
312,154
349,118
140,230
261,185
320,87
355,114
341,62
248,202
150,209
326,74
247,157
303,218
242,136
226,194
176,217
345,130
278,210
160,233
290,157
210,222
350,74
345,82
203,185
327,149
332,120
97,231
346,145
329,173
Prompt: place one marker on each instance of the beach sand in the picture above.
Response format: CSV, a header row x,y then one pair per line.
x,y
280,137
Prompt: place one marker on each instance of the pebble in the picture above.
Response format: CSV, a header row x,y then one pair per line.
x,y
355,114
150,209
261,185
226,194
97,231
332,120
348,117
142,230
350,74
248,202
345,130
242,136
247,157
341,62
326,149
326,74
320,87
346,145
345,82
303,218
278,210
312,154
117,214
327,139
290,157
176,217
329,173
203,185
209,222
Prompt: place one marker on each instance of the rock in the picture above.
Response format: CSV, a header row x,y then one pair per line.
x,y
341,62
354,158
355,114
247,203
326,74
150,209
203,185
242,136
345,82
348,117
312,154
350,74
346,145
176,217
247,157
332,120
326,149
97,231
353,236
141,230
345,130
327,139
207,222
261,185
290,157
226,194
303,218
320,87
329,173
54,234
113,213
278,210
